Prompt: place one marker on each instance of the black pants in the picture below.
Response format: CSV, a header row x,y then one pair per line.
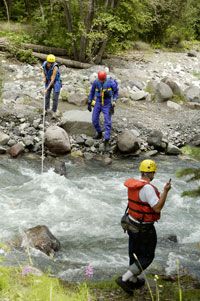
x,y
142,244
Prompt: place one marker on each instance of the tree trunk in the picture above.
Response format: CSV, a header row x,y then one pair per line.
x,y
7,10
69,63
51,5
27,7
101,51
68,18
45,49
42,10
88,23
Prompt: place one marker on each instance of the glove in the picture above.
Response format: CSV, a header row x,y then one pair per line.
x,y
93,103
89,107
112,110
114,102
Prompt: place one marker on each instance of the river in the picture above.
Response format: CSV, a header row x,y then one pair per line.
x,y
83,211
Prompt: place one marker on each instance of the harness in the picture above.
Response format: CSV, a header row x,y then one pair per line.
x,y
49,72
103,90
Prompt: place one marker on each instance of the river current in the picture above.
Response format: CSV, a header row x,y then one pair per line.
x,y
83,211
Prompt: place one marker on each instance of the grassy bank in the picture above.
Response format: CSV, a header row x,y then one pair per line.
x,y
27,283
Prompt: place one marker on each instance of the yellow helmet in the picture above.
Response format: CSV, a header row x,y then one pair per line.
x,y
147,166
51,58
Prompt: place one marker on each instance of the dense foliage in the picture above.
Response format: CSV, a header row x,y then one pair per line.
x,y
89,27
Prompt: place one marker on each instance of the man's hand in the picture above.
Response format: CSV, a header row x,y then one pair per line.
x,y
167,186
89,107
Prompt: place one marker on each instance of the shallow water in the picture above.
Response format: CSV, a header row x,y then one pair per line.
x,y
83,211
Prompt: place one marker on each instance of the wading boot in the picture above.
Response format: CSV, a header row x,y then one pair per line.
x,y
124,285
106,146
136,285
98,135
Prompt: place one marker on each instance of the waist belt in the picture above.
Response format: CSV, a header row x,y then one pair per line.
x,y
141,226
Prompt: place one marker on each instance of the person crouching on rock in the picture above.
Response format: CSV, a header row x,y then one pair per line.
x,y
144,206
102,98
52,80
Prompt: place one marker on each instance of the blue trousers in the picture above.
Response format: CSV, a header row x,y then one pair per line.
x,y
105,109
55,99
143,244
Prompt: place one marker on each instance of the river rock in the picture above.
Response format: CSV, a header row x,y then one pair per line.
x,y
77,99
2,150
127,142
173,85
155,139
193,94
78,122
41,238
172,150
16,150
4,138
173,105
163,92
57,140
60,168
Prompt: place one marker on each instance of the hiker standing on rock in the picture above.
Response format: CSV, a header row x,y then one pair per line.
x,y
51,77
144,206
102,98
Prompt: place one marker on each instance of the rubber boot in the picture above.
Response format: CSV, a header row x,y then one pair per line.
x,y
136,285
124,285
98,135
106,146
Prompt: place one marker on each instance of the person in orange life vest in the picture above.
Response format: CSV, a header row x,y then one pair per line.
x,y
52,80
144,206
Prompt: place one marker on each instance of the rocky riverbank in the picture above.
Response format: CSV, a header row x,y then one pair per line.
x,y
157,111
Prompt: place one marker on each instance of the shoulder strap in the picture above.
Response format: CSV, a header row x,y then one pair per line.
x,y
126,210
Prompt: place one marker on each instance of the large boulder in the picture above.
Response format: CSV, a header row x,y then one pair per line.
x,y
57,140
163,92
78,122
41,238
173,85
127,142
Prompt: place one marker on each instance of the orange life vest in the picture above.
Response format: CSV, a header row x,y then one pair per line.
x,y
138,209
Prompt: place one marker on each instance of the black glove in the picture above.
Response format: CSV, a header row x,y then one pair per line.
x,y
89,107
112,110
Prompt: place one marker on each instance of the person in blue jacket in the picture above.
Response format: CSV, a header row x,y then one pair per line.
x,y
51,77
102,98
